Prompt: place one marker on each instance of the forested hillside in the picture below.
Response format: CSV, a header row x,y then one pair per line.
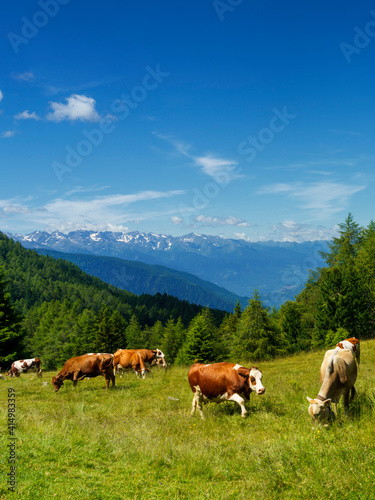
x,y
139,278
64,312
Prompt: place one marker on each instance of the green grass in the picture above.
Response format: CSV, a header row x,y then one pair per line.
x,y
133,442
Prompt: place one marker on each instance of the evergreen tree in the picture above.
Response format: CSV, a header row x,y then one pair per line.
x,y
203,343
296,339
228,328
257,338
173,339
10,330
104,334
344,248
136,338
118,331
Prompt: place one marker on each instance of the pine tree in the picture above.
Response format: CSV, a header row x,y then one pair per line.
x,y
257,338
203,343
136,338
296,339
173,339
104,335
344,248
11,334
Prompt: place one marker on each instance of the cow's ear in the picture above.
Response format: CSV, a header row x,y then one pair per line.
x,y
243,372
327,402
308,399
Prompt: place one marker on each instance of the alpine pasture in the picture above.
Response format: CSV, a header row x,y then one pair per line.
x,y
138,440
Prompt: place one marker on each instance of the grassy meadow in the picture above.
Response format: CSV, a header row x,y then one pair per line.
x,y
135,442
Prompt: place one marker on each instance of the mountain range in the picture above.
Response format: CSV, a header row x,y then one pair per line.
x,y
278,270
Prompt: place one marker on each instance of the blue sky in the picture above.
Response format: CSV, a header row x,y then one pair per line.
x,y
242,119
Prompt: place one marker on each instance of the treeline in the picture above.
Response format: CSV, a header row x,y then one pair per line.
x,y
337,302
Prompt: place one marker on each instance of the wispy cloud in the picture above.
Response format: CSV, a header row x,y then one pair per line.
x,y
209,163
1,96
26,115
293,232
8,133
321,199
220,221
77,107
85,213
26,76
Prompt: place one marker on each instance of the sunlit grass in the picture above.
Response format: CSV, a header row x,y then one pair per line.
x,y
134,442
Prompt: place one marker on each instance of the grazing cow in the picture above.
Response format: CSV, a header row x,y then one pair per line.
x,y
137,359
24,365
88,365
338,374
219,382
353,345
126,360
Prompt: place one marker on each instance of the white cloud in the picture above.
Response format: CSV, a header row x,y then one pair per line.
x,y
26,76
220,169
26,115
321,199
176,220
93,213
8,133
217,221
291,231
1,96
78,107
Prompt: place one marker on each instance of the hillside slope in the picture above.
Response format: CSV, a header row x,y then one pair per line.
x,y
140,278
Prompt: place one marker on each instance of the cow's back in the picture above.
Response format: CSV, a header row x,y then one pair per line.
x,y
212,379
338,371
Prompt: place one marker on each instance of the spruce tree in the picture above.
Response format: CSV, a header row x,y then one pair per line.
x,y
257,338
203,343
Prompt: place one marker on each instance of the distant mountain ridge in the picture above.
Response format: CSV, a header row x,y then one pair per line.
x,y
277,269
140,278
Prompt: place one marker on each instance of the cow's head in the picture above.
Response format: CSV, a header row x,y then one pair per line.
x,y
255,380
56,383
319,410
160,355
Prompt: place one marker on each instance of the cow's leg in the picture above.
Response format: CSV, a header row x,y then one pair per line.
x,y
346,401
353,392
238,399
75,378
39,373
197,402
112,376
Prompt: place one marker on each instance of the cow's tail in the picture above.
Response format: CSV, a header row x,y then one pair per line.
x,y
106,362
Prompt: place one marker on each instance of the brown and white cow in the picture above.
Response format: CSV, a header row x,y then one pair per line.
x,y
138,360
24,365
338,374
219,382
353,345
88,365
126,360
